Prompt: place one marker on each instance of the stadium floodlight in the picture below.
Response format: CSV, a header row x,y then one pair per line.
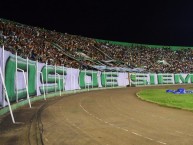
x,y
7,98
26,86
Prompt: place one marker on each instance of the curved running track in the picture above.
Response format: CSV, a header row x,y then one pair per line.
x,y
114,117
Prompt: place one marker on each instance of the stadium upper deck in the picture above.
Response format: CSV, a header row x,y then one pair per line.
x,y
81,52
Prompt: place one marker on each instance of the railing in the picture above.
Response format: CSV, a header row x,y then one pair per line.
x,y
25,66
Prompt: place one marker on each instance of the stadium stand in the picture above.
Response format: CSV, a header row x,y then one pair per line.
x,y
81,52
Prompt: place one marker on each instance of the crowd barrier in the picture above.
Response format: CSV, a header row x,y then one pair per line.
x,y
22,79
139,79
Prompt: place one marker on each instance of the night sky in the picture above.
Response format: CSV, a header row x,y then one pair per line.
x,y
150,22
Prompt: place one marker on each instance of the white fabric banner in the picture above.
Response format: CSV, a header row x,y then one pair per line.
x,y
99,79
38,77
20,82
88,80
4,56
123,79
72,79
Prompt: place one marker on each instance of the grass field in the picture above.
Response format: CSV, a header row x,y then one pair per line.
x,y
159,96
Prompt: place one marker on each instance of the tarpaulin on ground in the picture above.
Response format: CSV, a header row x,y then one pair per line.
x,y
179,91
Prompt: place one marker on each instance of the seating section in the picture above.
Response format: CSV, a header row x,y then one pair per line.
x,y
81,52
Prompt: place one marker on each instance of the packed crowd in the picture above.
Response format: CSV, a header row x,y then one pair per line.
x,y
81,52
44,45
159,60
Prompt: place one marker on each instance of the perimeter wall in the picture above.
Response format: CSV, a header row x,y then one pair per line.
x,y
41,78
139,79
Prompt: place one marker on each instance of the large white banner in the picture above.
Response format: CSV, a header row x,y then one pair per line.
x,y
42,78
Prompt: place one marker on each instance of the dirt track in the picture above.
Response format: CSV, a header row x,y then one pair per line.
x,y
107,117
